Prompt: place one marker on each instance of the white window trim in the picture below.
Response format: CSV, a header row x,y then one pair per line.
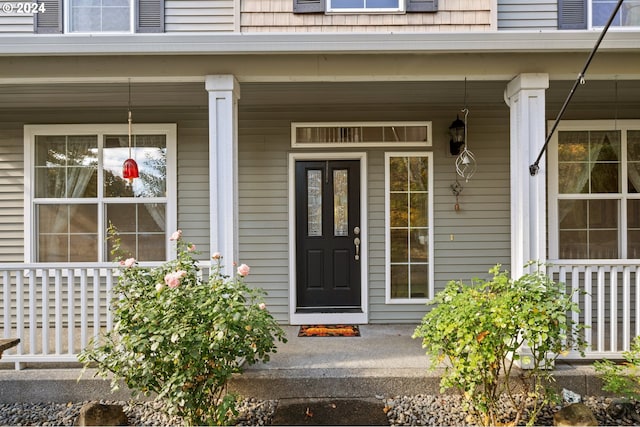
x,y
31,131
553,193
336,318
400,9
67,21
387,229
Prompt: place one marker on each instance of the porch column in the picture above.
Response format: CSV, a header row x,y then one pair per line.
x,y
525,95
224,92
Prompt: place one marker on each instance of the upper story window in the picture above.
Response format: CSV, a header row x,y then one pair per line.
x,y
74,190
594,14
627,16
364,6
99,16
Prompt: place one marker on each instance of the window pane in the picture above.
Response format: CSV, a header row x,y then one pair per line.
x,y
419,281
67,232
115,19
398,174
66,166
603,244
399,246
399,281
605,146
419,242
98,16
399,204
633,157
382,4
141,228
572,214
603,214
83,247
151,247
573,146
573,244
150,152
314,203
340,202
573,178
633,213
419,178
633,227
347,4
633,244
604,178
419,210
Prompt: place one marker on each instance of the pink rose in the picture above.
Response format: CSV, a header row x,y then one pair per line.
x,y
176,235
216,255
243,270
129,262
262,306
191,248
173,279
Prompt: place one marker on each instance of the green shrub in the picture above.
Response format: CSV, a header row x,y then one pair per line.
x,y
182,337
478,330
622,379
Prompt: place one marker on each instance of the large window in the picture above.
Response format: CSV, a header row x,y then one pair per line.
x,y
409,227
594,190
627,16
75,190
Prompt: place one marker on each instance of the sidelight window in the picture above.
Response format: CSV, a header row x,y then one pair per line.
x,y
409,227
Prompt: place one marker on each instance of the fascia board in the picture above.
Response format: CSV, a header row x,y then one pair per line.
x,y
243,44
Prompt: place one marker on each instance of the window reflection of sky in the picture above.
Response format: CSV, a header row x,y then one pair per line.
x,y
151,162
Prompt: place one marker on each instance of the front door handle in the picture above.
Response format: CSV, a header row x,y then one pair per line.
x,y
356,242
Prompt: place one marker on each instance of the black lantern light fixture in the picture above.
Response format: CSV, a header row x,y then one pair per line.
x,y
457,131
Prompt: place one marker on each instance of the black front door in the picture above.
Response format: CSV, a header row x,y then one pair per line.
x,y
328,236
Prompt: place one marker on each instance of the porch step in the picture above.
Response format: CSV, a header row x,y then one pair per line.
x,y
384,361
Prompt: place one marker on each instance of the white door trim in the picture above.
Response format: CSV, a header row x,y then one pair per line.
x,y
329,318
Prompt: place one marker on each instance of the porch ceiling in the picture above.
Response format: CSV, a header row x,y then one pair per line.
x,y
596,94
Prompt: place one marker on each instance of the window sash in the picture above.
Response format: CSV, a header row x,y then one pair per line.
x,y
627,17
409,218
99,16
366,5
586,222
152,208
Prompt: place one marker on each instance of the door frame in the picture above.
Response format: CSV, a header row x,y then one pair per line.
x,y
329,318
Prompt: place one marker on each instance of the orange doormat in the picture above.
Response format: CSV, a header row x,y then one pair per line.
x,y
329,331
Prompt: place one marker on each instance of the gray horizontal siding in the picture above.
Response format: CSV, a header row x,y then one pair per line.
x,y
11,191
527,14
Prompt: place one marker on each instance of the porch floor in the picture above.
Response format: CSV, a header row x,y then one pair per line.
x,y
383,361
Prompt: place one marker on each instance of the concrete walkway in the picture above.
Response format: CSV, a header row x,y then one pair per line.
x,y
384,361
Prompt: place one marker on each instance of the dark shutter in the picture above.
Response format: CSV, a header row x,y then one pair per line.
x,y
572,14
422,5
49,21
308,6
149,16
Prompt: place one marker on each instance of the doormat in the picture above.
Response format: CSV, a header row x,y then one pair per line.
x,y
329,331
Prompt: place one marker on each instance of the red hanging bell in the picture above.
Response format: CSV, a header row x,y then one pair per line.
x,y
130,170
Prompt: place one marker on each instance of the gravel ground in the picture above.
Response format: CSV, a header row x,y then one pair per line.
x,y
433,410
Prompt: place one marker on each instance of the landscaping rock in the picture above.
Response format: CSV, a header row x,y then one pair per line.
x,y
576,414
623,408
98,414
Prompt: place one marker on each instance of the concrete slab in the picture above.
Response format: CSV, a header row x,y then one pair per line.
x,y
384,361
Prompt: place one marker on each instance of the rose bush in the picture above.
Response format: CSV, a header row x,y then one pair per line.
x,y
182,336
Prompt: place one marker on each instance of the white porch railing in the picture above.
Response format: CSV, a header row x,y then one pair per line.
x,y
55,309
609,301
